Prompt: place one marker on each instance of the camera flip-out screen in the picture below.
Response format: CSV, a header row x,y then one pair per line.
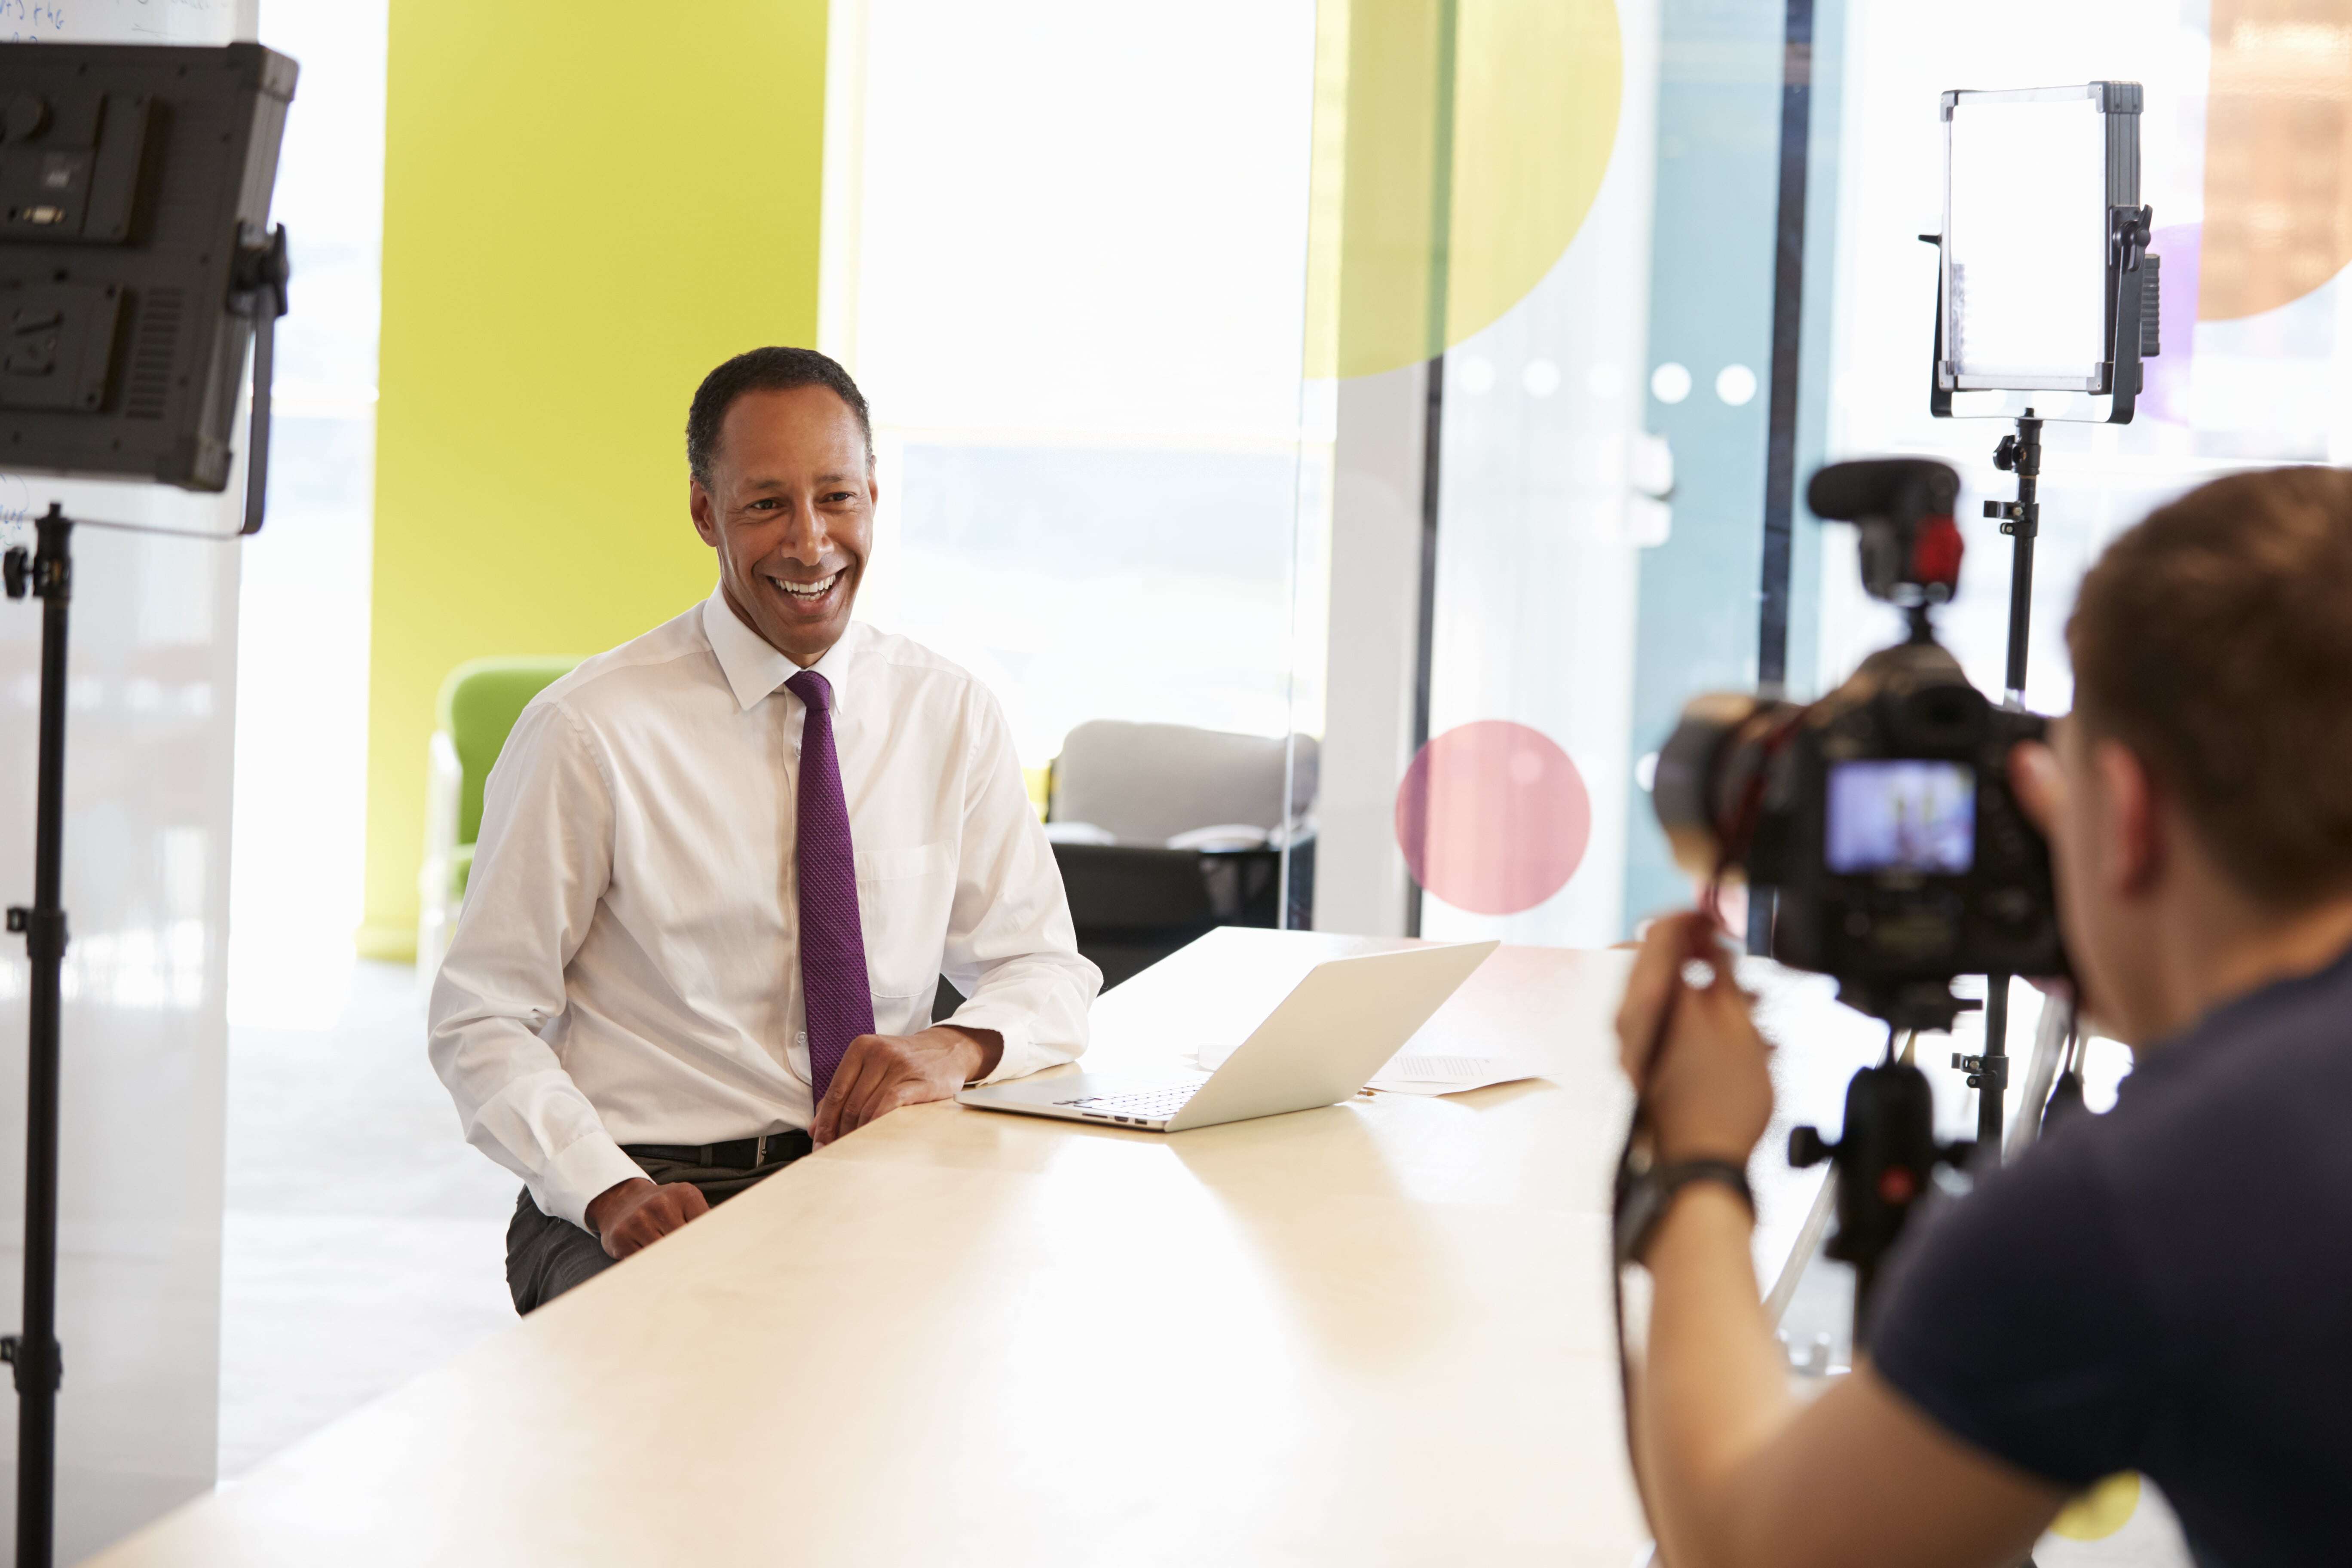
x,y
2033,181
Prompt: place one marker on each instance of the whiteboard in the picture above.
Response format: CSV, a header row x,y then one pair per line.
x,y
125,21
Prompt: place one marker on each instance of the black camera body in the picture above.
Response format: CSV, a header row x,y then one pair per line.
x,y
1898,854
1880,818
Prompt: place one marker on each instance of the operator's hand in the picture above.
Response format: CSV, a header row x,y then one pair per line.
x,y
1709,1092
2037,777
632,1215
880,1073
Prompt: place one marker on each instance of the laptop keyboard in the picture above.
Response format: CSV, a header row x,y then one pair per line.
x,y
1144,1105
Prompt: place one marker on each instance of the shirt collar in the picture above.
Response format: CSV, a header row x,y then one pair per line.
x,y
754,669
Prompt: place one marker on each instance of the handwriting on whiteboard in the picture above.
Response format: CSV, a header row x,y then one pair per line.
x,y
99,21
118,21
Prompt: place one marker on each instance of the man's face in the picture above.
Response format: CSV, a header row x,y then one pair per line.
x,y
789,509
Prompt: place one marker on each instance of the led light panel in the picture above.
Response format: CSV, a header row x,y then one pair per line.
x,y
2030,177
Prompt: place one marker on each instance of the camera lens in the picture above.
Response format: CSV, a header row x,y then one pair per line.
x,y
1709,771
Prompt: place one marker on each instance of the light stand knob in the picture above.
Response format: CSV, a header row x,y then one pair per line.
x,y
16,568
1807,1148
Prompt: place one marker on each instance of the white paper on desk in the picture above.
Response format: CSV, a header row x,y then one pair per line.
x,y
1436,1072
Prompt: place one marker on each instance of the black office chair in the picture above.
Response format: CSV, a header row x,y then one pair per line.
x,y
1164,833
1134,905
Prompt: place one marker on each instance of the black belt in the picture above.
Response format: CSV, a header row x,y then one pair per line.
x,y
738,1154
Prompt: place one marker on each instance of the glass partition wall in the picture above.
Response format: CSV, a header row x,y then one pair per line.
x,y
1285,371
1159,346
1065,255
1549,249
1435,382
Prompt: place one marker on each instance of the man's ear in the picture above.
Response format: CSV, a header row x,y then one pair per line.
x,y
2132,824
704,511
2038,783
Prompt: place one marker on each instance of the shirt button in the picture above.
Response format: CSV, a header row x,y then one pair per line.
x,y
800,1038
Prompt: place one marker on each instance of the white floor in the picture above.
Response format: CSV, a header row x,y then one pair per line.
x,y
364,1241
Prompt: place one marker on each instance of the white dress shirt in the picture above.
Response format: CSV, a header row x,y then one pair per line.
x,y
626,968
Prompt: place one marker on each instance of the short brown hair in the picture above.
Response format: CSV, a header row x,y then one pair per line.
x,y
2215,639
764,369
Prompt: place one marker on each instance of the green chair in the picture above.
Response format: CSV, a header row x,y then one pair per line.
x,y
478,705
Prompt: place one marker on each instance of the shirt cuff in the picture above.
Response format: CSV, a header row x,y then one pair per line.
x,y
583,1172
1022,1055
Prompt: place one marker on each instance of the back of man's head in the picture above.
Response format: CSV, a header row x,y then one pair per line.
x,y
2215,640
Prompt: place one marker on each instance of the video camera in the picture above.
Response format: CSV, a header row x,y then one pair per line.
x,y
1880,817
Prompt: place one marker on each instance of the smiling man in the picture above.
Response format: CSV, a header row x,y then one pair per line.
x,y
722,868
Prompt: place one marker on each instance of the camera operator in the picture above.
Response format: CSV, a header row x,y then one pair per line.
x,y
2166,1288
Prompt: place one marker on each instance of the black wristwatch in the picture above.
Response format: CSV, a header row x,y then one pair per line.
x,y
1643,1200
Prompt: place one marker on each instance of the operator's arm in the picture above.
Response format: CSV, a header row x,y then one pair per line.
x,y
1010,947
541,865
1736,1473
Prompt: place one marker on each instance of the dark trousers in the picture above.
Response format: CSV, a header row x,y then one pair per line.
x,y
547,1256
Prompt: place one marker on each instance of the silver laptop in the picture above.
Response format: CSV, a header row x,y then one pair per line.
x,y
1329,1035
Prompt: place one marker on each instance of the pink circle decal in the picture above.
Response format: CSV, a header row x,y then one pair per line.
x,y
1493,817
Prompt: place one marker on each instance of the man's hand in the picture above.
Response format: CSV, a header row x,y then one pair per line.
x,y
1705,1078
2037,777
632,1215
882,1072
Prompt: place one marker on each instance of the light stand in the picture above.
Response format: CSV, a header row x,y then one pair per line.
x,y
1988,1070
34,1353
2132,293
37,1359
1889,1115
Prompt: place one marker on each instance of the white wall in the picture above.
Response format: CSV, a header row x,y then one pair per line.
x,y
302,660
147,847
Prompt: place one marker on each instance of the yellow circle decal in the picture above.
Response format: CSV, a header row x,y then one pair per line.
x,y
1458,146
2101,1512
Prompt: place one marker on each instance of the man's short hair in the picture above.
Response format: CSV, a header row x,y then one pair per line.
x,y
763,370
2215,640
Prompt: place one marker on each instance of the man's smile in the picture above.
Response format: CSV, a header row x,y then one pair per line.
x,y
809,592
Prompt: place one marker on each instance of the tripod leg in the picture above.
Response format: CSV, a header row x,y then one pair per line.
x,y
1809,1246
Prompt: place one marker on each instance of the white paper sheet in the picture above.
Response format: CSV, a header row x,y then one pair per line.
x,y
1433,1072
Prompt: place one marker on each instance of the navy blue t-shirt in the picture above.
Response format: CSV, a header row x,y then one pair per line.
x,y
2166,1288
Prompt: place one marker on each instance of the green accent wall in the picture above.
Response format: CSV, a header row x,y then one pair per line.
x,y
586,208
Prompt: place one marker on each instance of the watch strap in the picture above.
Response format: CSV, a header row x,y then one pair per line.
x,y
1665,1182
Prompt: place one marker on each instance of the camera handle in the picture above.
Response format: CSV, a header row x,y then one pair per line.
x,y
1881,1166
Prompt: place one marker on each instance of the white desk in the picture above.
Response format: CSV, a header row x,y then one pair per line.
x,y
1375,1333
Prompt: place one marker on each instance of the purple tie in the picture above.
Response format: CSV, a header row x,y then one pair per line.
x,y
833,943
